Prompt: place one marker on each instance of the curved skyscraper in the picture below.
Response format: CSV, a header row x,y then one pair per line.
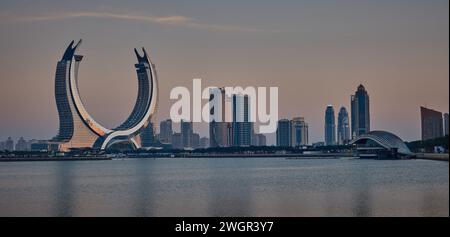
x,y
343,127
77,129
330,126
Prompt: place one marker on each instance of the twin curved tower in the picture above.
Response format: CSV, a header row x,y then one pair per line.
x,y
77,129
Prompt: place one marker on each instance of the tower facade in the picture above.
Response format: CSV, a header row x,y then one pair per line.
x,y
284,133
299,133
431,121
330,126
360,112
77,129
343,127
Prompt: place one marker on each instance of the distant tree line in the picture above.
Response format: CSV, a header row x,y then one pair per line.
x,y
428,145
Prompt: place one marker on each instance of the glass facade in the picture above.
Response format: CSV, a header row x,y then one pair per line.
x,y
343,128
284,133
431,122
330,126
241,126
360,112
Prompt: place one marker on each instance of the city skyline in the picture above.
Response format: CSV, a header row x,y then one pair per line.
x,y
323,57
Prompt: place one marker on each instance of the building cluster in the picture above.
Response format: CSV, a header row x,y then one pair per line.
x,y
434,124
186,139
20,145
359,118
230,125
292,132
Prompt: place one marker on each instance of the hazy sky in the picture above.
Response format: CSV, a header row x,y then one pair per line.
x,y
316,52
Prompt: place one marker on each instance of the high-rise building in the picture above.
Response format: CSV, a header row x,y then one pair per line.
x,y
360,112
330,126
23,145
259,140
431,121
343,127
241,126
177,141
77,129
204,142
284,133
186,133
148,136
9,144
195,140
219,128
299,133
165,131
446,124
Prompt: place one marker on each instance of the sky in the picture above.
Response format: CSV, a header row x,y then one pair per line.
x,y
316,52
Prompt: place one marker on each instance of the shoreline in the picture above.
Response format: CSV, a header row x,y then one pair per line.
x,y
16,159
419,156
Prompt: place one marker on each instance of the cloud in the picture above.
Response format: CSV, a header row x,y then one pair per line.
x,y
174,20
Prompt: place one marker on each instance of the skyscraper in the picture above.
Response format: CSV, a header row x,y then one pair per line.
x,y
219,127
165,131
177,141
343,129
9,144
299,133
241,126
360,112
195,140
186,133
284,133
148,136
446,124
22,145
330,126
77,129
431,121
258,140
204,142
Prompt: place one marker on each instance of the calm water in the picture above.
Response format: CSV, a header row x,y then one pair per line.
x,y
225,187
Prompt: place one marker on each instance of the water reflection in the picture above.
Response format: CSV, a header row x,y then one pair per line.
x,y
224,187
229,190
361,192
142,203
64,194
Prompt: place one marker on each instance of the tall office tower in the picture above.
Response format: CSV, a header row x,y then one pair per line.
x,y
148,136
2,146
9,144
299,133
219,127
431,121
360,112
22,145
343,129
446,124
259,140
186,133
330,126
284,133
165,131
204,142
177,141
242,127
195,140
